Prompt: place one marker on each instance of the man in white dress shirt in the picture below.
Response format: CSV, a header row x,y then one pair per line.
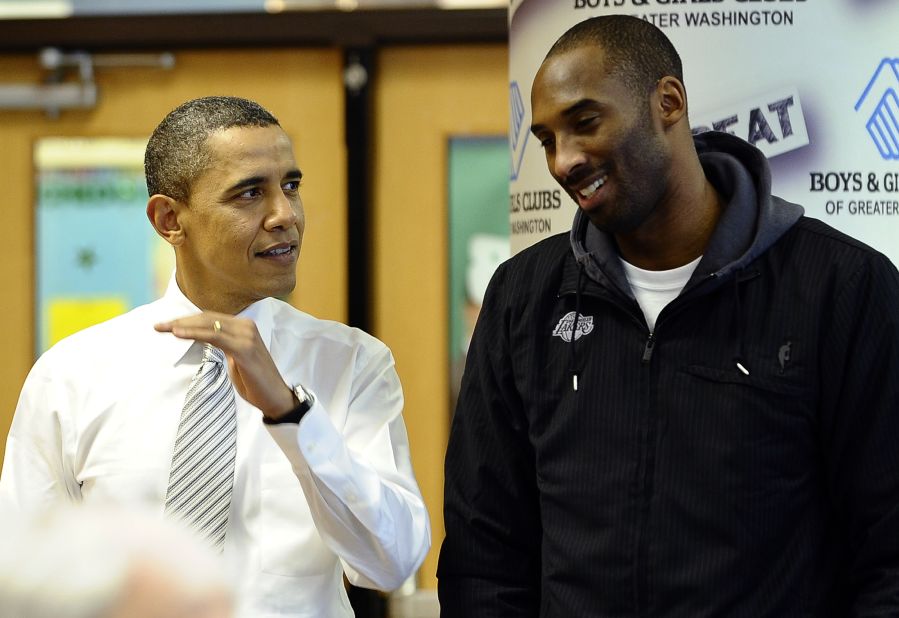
x,y
323,484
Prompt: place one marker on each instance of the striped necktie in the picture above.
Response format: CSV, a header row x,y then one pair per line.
x,y
202,474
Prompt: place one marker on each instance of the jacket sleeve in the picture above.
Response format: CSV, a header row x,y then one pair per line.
x,y
359,482
860,422
490,559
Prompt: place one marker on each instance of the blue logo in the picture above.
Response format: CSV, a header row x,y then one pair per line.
x,y
879,105
518,131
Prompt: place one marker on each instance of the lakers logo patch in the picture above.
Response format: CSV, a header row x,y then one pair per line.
x,y
563,328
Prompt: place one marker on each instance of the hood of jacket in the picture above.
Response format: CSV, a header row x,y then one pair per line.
x,y
752,219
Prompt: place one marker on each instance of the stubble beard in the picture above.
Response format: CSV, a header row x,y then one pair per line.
x,y
635,199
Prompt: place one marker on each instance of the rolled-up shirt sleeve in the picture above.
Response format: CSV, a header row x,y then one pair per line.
x,y
358,480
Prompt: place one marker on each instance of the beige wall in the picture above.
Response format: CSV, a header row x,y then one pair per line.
x,y
424,96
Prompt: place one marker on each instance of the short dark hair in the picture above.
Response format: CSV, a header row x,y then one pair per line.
x,y
176,153
638,52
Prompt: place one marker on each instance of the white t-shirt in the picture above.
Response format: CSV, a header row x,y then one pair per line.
x,y
656,288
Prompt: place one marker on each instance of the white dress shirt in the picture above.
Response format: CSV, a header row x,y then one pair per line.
x,y
97,418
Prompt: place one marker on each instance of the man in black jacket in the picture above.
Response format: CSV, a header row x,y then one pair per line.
x,y
688,407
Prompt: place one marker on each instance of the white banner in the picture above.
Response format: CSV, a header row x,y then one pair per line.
x,y
811,83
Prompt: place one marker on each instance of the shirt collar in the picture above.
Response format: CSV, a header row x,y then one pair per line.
x,y
176,305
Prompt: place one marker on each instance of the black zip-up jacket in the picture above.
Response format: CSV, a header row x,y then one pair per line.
x,y
740,460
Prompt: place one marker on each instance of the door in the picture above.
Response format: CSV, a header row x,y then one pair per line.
x,y
423,97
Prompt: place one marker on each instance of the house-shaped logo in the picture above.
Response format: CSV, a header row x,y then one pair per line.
x,y
518,130
879,107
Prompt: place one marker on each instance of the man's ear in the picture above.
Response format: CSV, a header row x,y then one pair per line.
x,y
163,211
672,100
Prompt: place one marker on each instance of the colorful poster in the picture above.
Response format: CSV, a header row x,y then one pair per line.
x,y
478,236
812,83
96,254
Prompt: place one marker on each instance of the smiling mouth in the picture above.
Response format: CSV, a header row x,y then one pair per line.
x,y
589,190
277,251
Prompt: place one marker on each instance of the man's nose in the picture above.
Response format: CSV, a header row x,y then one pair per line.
x,y
568,157
283,212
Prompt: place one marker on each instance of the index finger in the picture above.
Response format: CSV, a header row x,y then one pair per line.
x,y
203,326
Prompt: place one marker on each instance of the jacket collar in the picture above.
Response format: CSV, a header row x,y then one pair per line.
x,y
590,286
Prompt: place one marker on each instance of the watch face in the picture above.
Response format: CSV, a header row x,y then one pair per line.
x,y
302,395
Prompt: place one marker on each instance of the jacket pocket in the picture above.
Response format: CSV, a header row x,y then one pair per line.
x,y
771,384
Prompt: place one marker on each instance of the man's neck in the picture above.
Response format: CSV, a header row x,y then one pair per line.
x,y
680,229
221,303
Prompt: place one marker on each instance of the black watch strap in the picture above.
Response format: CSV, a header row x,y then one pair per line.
x,y
306,400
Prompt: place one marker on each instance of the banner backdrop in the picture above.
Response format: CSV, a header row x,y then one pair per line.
x,y
811,83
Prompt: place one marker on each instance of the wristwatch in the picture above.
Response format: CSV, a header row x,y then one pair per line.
x,y
305,398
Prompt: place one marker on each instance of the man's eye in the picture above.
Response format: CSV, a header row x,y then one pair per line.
x,y
250,193
586,122
546,143
292,185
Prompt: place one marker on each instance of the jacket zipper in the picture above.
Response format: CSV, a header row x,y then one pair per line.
x,y
646,485
648,348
